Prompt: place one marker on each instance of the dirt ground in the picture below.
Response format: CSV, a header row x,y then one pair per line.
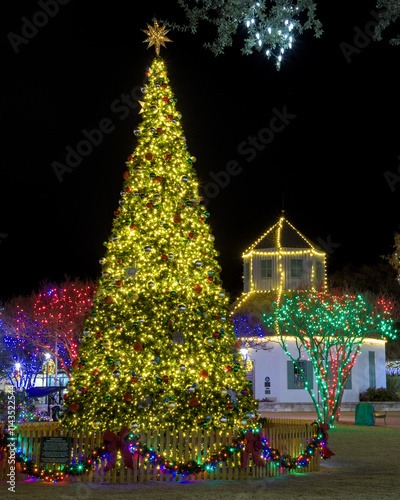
x,y
366,465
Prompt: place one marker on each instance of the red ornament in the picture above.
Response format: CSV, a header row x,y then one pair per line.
x,y
75,363
238,344
65,397
163,86
99,335
177,219
168,156
109,300
170,117
95,372
227,369
164,256
165,99
119,283
128,189
197,288
73,407
210,279
137,347
203,374
134,380
190,235
216,335
193,401
130,158
148,72
229,406
133,226
127,397
149,204
159,130
157,178
165,378
97,382
84,390
126,175
148,156
117,212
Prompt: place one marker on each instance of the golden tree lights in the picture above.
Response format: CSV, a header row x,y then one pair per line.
x,y
158,348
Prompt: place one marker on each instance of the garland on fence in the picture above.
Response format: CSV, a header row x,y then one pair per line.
x,y
136,447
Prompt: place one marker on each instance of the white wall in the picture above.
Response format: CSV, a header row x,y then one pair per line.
x,y
273,364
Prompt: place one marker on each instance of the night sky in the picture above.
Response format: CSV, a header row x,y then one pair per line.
x,y
327,163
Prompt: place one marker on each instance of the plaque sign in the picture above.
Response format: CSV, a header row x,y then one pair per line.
x,y
56,450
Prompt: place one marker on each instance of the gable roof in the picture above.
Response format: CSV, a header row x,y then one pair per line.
x,y
283,235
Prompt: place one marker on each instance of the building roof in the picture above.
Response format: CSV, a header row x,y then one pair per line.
x,y
283,235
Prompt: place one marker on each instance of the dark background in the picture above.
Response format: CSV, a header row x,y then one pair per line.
x,y
328,163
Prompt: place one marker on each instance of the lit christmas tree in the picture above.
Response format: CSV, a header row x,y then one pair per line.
x,y
158,349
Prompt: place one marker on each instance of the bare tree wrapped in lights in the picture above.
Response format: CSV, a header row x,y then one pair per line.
x,y
20,360
159,349
51,319
329,329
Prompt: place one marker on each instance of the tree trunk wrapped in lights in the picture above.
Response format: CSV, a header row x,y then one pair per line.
x,y
158,349
329,329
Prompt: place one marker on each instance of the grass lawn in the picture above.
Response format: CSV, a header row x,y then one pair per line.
x,y
366,465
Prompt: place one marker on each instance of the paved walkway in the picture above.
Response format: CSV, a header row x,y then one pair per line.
x,y
346,418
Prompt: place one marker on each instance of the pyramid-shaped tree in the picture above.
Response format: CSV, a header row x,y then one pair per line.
x,y
158,348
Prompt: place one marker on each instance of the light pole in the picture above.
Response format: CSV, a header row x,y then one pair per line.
x,y
47,356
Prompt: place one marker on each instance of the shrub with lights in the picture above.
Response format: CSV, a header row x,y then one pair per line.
x,y
158,349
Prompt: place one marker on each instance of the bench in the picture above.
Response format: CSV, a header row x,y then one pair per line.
x,y
380,414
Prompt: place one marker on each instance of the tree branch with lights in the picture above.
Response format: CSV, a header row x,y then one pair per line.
x,y
329,330
270,26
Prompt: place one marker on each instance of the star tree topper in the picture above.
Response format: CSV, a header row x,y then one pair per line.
x,y
156,36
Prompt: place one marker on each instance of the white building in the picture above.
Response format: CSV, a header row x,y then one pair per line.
x,y
282,259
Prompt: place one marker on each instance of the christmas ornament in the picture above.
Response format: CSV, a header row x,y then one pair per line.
x,y
74,407
178,338
137,347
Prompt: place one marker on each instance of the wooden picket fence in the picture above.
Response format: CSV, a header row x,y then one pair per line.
x,y
285,435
